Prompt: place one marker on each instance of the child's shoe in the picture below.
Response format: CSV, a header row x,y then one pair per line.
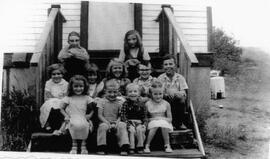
x,y
73,150
140,150
101,153
168,148
84,150
147,149
124,150
101,149
123,153
131,151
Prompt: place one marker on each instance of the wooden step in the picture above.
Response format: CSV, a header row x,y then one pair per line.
x,y
47,142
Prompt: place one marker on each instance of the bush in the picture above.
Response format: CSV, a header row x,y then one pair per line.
x,y
227,56
18,120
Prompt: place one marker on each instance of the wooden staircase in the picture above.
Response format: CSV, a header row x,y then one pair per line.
x,y
187,143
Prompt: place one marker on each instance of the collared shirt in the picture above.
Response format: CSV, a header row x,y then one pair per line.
x,y
145,84
178,82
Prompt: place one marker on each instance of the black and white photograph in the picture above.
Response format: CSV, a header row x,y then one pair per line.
x,y
125,78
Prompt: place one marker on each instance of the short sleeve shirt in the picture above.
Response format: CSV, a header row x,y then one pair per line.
x,y
144,84
178,82
111,109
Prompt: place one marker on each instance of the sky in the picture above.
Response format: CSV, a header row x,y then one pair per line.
x,y
245,20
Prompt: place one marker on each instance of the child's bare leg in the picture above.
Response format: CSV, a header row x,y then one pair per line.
x,y
165,135
74,147
166,138
83,147
61,129
150,136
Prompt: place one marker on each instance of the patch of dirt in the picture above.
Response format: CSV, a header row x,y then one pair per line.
x,y
247,105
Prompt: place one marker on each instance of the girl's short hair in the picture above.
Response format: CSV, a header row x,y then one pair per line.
x,y
92,68
155,84
74,79
113,62
56,66
73,33
130,85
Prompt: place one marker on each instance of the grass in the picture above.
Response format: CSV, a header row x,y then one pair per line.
x,y
225,136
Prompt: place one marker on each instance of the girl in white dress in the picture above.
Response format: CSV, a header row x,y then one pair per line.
x,y
55,89
74,108
160,116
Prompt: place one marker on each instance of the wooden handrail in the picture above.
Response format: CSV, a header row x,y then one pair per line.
x,y
196,129
46,49
191,56
44,36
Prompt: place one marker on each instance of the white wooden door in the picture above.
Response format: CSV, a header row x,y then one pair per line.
x,y
108,23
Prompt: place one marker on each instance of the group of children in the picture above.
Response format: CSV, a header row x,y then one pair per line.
x,y
128,109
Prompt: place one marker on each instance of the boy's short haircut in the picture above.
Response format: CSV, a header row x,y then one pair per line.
x,y
169,56
73,33
112,83
130,85
144,64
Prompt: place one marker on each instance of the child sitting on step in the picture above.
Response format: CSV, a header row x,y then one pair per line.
x,y
109,116
74,107
160,116
116,70
74,57
55,89
175,91
133,112
94,79
145,80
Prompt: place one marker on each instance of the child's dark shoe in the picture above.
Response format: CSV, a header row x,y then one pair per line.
x,y
140,150
101,149
124,150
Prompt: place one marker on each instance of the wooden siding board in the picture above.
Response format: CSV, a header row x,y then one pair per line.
x,y
192,19
138,23
84,24
209,27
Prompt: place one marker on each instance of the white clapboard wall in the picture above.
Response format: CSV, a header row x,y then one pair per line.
x,y
31,19
192,20
26,27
